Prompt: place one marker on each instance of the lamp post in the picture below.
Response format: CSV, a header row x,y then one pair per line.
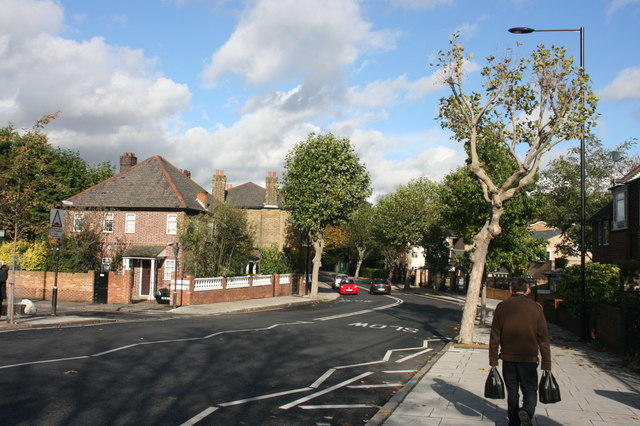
x,y
176,249
583,291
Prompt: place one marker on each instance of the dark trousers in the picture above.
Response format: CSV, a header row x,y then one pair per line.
x,y
520,376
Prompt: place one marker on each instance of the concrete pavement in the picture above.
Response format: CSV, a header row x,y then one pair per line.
x,y
77,313
595,388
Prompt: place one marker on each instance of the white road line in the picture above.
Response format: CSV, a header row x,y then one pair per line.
x,y
399,371
195,419
155,342
366,311
320,407
322,378
327,390
414,355
382,385
44,362
261,397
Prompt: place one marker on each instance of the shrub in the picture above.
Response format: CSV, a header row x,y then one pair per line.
x,y
35,257
602,282
6,250
273,261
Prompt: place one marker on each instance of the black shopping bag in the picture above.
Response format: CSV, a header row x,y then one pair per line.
x,y
548,389
494,386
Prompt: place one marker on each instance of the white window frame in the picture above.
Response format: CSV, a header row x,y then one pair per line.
x,y
130,223
619,210
172,224
169,269
108,219
78,222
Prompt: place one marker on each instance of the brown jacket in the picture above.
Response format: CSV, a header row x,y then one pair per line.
x,y
519,330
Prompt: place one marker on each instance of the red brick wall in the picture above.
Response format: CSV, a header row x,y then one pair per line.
x,y
38,285
120,288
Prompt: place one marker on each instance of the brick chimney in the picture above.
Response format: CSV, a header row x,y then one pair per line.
x,y
218,185
127,161
271,194
202,199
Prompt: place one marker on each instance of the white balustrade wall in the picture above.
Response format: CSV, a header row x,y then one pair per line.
x,y
261,280
238,282
203,284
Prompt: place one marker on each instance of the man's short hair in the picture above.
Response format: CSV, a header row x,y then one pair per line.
x,y
519,286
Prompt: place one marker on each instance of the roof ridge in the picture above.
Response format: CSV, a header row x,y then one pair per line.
x,y
161,162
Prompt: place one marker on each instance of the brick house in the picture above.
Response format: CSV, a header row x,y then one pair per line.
x,y
616,226
263,208
553,238
138,211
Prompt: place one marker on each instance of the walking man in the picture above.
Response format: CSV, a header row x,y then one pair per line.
x,y
518,333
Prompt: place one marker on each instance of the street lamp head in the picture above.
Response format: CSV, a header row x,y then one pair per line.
x,y
521,30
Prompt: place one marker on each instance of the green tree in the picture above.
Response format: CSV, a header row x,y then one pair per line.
x,y
528,107
466,214
359,230
402,218
216,243
559,188
602,284
323,183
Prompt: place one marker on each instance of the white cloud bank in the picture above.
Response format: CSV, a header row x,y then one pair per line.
x,y
295,54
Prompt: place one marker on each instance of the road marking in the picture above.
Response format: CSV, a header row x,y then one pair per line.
x,y
414,355
261,397
320,407
327,390
195,419
382,385
155,342
366,311
400,371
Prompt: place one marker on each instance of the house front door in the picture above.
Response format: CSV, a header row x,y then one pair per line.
x,y
145,277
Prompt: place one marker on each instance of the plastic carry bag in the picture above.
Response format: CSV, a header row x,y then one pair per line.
x,y
494,386
548,389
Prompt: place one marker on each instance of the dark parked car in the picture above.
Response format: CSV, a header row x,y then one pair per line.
x,y
162,296
380,286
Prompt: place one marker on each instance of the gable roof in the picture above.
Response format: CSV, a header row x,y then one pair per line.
x,y
248,196
631,175
152,184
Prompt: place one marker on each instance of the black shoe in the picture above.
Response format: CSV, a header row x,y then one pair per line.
x,y
524,418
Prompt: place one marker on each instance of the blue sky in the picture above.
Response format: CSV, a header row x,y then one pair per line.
x,y
234,85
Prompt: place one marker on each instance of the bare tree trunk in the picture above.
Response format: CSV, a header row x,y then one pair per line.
x,y
481,241
318,247
361,253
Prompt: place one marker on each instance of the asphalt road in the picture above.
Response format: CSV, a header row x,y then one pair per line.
x,y
332,363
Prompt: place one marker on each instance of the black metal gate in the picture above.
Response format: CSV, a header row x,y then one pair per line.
x,y
100,286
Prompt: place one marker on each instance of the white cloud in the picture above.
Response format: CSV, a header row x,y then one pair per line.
x,y
105,93
418,4
616,5
278,41
626,85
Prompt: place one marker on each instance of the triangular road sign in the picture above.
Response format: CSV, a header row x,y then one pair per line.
x,y
56,218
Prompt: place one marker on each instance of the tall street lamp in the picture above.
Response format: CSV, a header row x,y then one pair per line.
x,y
583,295
176,249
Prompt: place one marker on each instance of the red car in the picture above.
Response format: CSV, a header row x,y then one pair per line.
x,y
348,286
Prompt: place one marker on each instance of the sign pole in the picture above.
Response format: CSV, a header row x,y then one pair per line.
x,y
54,292
56,218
